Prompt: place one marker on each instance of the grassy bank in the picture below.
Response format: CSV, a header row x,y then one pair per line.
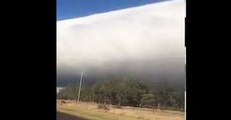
x,y
91,111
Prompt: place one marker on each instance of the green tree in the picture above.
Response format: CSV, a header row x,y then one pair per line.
x,y
148,100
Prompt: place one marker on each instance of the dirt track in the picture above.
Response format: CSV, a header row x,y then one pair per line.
x,y
64,116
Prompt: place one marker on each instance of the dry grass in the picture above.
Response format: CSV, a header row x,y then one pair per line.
x,y
91,111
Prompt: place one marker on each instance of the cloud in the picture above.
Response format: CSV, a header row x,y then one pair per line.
x,y
148,38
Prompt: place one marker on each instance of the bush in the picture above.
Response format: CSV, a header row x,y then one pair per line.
x,y
103,106
117,106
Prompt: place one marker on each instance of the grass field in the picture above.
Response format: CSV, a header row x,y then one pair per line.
x,y
90,111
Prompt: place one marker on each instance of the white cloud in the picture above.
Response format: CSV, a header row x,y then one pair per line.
x,y
154,31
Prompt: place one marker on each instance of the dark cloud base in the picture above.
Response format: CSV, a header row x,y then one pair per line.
x,y
147,71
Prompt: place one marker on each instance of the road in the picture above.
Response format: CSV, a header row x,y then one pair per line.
x,y
64,116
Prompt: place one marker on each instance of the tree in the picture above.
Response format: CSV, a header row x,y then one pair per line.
x,y
128,92
120,91
148,100
69,92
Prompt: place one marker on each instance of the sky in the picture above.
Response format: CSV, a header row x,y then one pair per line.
x,y
146,42
67,9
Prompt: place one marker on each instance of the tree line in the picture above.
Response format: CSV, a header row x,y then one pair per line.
x,y
127,92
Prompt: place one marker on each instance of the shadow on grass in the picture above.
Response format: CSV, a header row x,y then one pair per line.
x,y
64,116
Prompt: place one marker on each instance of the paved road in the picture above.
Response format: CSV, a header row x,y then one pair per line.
x,y
64,116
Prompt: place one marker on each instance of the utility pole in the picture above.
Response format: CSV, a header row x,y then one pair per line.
x,y
80,84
